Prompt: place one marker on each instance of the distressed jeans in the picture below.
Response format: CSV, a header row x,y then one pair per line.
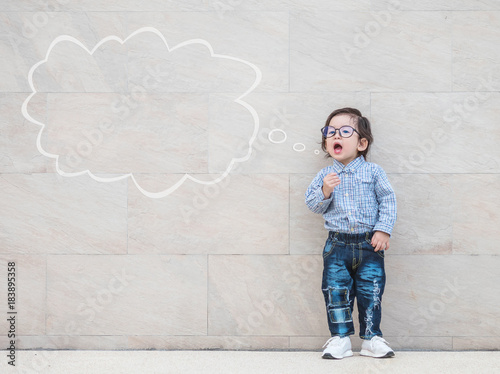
x,y
352,269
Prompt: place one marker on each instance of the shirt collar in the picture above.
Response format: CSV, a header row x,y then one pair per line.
x,y
351,167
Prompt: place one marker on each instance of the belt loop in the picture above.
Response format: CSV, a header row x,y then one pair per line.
x,y
335,236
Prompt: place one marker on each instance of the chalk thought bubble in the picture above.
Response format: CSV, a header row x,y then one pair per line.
x,y
106,109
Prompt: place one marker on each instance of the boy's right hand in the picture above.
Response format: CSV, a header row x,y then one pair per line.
x,y
329,183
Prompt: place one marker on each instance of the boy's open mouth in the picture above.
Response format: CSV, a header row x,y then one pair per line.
x,y
337,148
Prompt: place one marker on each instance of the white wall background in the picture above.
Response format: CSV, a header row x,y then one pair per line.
x,y
237,265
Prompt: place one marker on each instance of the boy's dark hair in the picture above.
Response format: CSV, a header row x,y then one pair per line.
x,y
362,124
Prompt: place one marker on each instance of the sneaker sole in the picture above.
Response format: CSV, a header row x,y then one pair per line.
x,y
370,354
330,357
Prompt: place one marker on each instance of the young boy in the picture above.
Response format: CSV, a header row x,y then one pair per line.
x,y
359,208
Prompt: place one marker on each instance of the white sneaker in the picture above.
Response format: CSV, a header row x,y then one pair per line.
x,y
376,347
337,347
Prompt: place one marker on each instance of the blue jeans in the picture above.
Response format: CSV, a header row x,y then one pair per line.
x,y
352,269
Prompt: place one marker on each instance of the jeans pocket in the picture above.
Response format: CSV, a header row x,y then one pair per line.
x,y
380,253
328,249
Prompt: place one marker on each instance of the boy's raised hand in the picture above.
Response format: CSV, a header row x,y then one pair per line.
x,y
329,183
380,241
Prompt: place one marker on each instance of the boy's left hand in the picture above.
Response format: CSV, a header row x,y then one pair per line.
x,y
380,241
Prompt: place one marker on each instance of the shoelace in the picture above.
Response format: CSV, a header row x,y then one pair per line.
x,y
330,340
378,339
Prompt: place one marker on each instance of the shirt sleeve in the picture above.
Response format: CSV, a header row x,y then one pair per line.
x,y
386,198
315,200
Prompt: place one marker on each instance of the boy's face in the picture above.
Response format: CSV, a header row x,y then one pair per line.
x,y
342,149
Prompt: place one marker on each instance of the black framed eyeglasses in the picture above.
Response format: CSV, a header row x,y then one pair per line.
x,y
344,131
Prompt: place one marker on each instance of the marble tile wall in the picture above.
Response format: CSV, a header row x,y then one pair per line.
x,y
234,262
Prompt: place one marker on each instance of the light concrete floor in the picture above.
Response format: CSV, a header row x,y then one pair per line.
x,y
236,362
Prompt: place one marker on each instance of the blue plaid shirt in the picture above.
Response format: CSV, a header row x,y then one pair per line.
x,y
363,201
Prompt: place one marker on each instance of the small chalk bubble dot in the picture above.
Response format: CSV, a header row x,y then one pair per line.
x,y
299,147
276,141
316,152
